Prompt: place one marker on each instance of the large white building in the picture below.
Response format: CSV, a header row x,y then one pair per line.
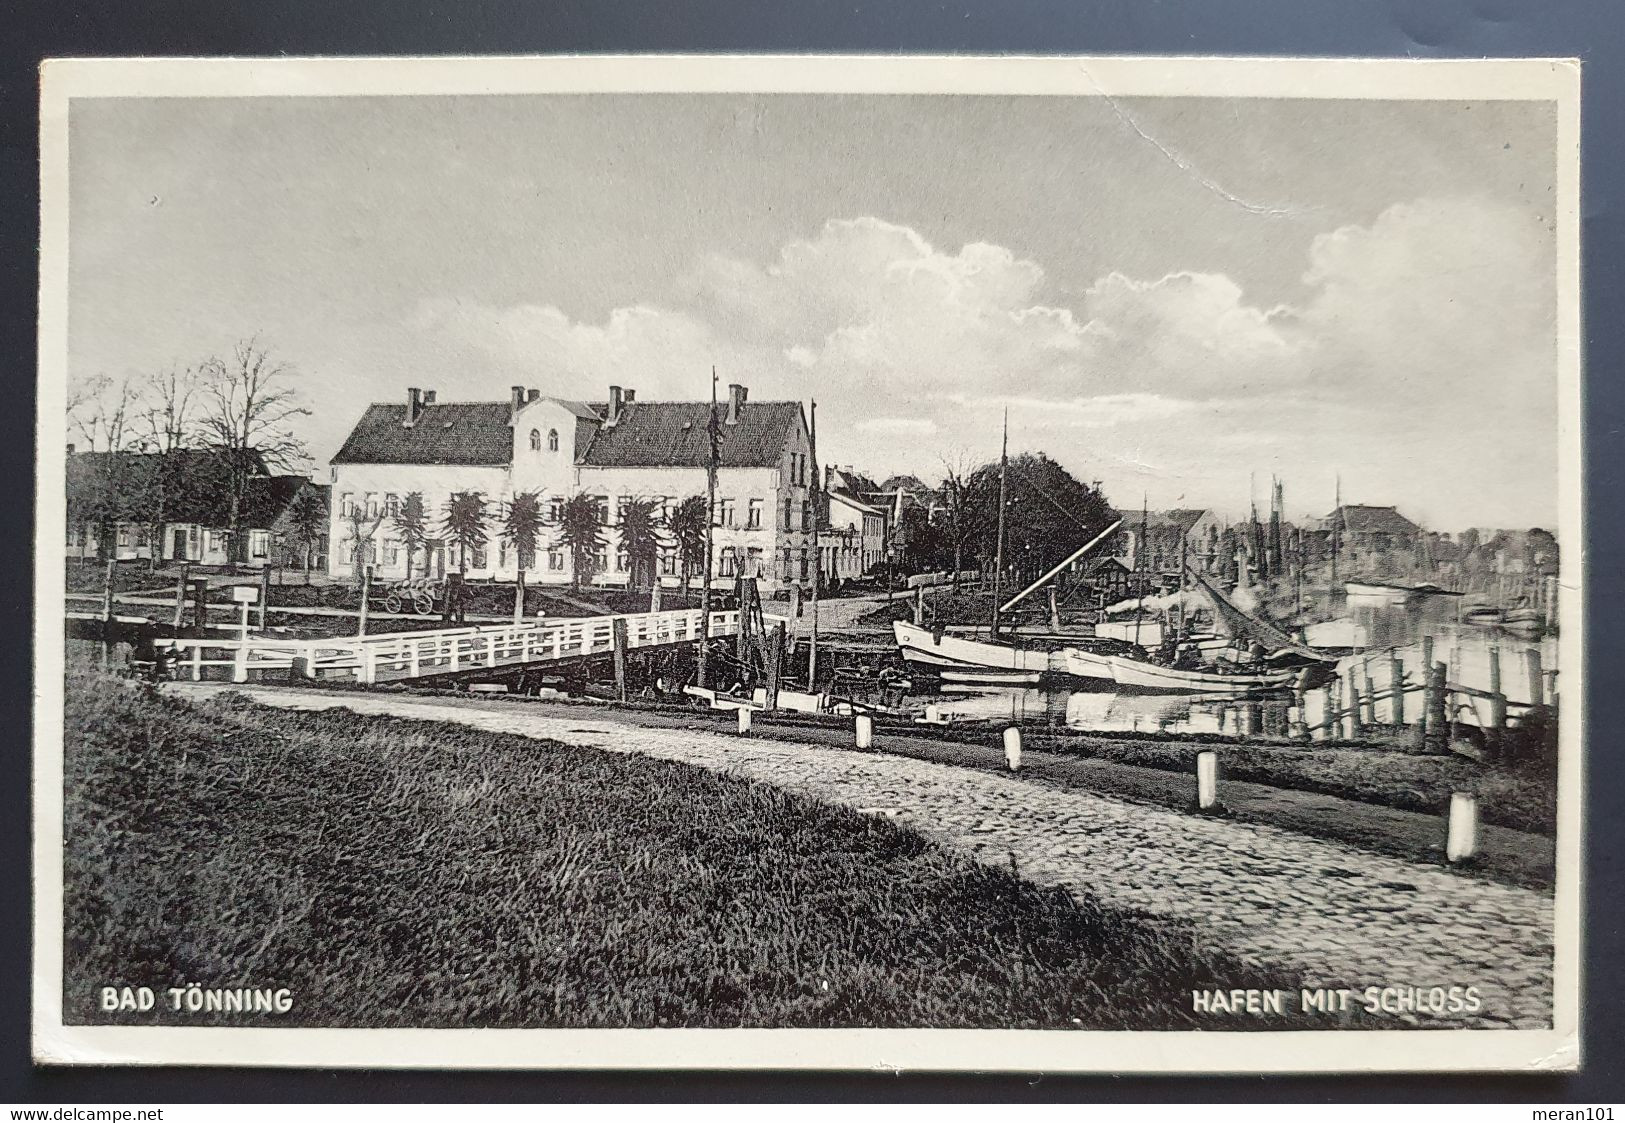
x,y
616,451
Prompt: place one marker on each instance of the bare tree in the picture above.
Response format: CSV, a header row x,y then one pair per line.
x,y
108,492
169,423
247,408
963,517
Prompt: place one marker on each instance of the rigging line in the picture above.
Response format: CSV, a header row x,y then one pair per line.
x,y
1056,503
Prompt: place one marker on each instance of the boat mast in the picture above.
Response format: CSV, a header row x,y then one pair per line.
x,y
1337,523
998,552
710,507
1139,564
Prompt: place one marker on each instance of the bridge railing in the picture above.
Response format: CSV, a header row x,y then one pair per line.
x,y
394,655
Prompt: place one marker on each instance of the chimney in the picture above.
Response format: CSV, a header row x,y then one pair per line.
x,y
629,396
428,397
533,395
736,401
414,406
70,448
614,405
516,402
847,468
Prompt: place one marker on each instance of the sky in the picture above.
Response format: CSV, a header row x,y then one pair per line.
x,y
1177,297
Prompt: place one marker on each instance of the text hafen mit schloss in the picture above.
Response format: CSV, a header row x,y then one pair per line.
x,y
1438,1000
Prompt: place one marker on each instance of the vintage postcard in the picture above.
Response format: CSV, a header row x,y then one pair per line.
x,y
1064,564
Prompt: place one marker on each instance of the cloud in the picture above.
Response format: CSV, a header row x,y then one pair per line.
x,y
1423,333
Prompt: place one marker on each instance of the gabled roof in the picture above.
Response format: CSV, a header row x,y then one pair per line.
x,y
674,435
905,483
846,497
445,433
1358,519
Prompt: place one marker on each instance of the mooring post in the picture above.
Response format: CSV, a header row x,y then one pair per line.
x,y
1537,678
1396,687
1012,748
1461,840
1422,719
1353,707
744,721
864,731
919,606
1207,780
617,632
775,664
1438,723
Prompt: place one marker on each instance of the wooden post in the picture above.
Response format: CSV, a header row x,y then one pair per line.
x,y
1353,705
1498,701
519,598
744,721
775,664
265,592
919,606
107,594
1396,685
1054,611
1422,732
1368,693
1461,840
617,631
1207,780
366,595
864,731
1438,721
200,605
180,597
445,599
1537,679
1012,748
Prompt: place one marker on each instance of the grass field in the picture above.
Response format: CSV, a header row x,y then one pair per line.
x,y
395,873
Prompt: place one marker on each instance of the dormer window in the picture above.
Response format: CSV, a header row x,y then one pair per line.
x,y
535,440
552,440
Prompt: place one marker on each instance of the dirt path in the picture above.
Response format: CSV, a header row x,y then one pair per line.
x,y
1345,917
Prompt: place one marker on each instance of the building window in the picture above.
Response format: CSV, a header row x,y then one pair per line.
x,y
555,561
392,552
806,514
555,509
123,534
347,503
725,512
623,561
602,502
753,566
372,504
726,562
668,563
140,535
502,555
536,440
259,543
753,515
787,508
392,504
789,574
552,440
803,563
599,561
527,559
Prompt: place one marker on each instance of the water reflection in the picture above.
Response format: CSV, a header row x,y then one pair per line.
x,y
1108,712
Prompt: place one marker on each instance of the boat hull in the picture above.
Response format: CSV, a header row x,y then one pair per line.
x,y
1132,674
1087,665
963,660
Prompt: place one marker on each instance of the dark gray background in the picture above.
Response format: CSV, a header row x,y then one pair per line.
x,y
1591,29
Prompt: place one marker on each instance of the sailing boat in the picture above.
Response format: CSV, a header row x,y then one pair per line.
x,y
958,659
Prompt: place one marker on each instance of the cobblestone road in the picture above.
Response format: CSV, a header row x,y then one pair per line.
x,y
1342,916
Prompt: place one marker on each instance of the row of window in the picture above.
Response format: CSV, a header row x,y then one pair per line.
x,y
372,507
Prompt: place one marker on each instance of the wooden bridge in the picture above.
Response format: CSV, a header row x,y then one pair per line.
x,y
398,656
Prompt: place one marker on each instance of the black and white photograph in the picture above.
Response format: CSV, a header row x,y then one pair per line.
x,y
937,563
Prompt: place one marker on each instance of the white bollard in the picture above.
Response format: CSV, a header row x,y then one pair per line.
x,y
744,721
1012,748
1207,780
865,730
1462,840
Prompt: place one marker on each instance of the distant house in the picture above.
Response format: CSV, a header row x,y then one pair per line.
x,y
1360,527
175,505
852,532
616,452
1111,578
1189,533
